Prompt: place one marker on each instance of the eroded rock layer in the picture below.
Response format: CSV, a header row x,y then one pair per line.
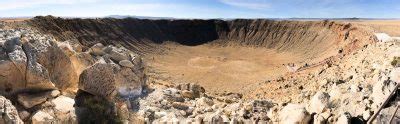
x,y
308,37
235,54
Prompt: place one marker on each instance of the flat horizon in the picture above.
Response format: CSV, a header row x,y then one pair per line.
x,y
155,17
205,9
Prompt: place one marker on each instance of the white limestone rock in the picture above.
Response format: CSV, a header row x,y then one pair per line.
x,y
319,102
8,113
294,113
41,117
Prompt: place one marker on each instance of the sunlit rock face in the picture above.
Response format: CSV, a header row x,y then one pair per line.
x,y
33,61
117,73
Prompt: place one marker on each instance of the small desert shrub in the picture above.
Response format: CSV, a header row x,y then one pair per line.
x,y
395,62
97,110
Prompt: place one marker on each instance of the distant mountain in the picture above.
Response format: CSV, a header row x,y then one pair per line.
x,y
138,17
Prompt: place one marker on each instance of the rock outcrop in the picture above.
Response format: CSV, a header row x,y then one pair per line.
x,y
41,117
58,64
99,80
64,108
9,114
28,100
108,79
34,69
294,114
111,83
33,61
319,102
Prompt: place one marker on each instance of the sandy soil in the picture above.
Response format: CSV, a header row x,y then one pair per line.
x,y
219,69
391,27
13,22
13,19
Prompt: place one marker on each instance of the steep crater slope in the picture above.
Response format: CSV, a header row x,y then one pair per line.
x,y
220,55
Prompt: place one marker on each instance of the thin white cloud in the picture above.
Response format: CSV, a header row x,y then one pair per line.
x,y
176,10
21,4
141,7
254,4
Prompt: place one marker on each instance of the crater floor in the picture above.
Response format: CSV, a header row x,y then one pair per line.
x,y
232,68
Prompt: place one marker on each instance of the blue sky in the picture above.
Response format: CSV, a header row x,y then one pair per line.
x,y
205,8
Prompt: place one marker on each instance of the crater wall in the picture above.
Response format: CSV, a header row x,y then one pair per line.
x,y
303,37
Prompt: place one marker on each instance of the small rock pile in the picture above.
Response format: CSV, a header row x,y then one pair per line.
x,y
188,103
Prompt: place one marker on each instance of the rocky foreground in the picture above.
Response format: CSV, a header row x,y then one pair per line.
x,y
43,80
346,89
55,82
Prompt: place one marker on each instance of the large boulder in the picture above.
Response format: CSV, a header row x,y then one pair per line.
x,y
37,76
107,78
172,95
117,54
18,59
344,118
294,114
23,71
204,101
381,90
58,64
116,77
126,63
42,117
81,61
8,113
64,109
67,48
97,49
28,100
36,62
213,118
63,104
10,76
129,83
385,115
383,37
99,79
395,75
319,102
321,118
191,90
